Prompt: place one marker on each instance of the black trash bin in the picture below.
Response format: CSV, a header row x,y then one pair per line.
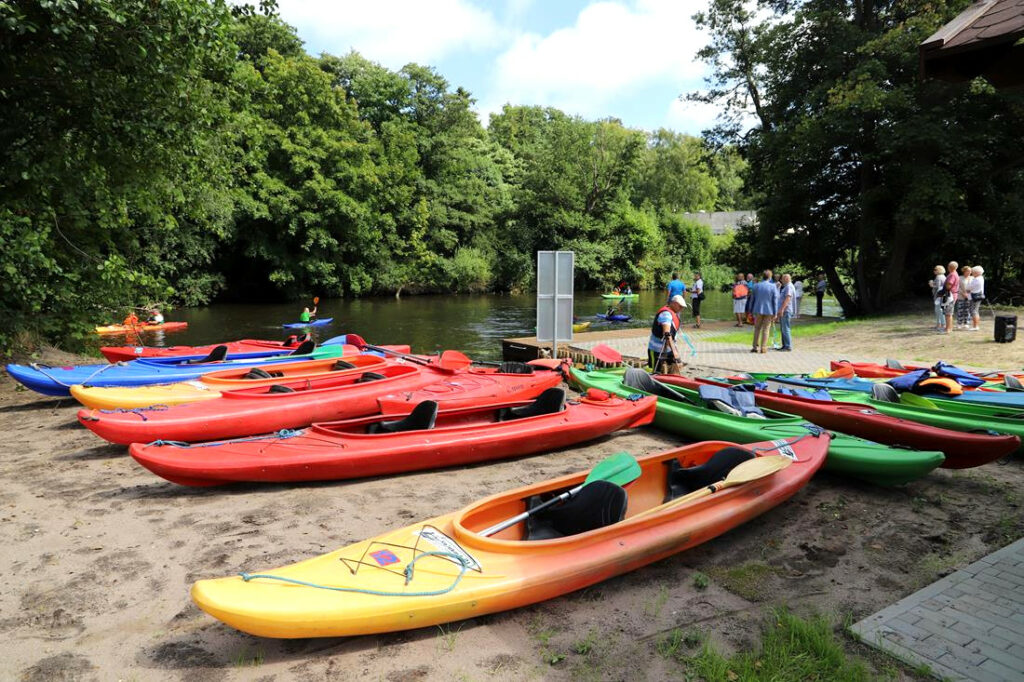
x,y
1006,328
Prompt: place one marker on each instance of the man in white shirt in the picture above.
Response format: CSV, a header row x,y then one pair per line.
x,y
787,298
696,296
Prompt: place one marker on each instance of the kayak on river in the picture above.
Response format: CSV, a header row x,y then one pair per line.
x,y
141,327
614,317
448,568
313,323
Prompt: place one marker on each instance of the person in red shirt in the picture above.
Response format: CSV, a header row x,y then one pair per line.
x,y
952,291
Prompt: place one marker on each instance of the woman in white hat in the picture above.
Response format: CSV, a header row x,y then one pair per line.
x,y
976,291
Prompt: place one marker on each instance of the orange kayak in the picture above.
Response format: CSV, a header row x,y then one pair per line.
x,y
134,329
444,569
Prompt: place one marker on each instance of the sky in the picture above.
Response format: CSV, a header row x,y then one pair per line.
x,y
627,59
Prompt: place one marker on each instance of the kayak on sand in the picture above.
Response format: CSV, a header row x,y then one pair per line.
x,y
445,569
426,438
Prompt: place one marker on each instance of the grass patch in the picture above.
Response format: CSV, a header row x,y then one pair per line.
x,y
747,580
792,649
799,331
700,581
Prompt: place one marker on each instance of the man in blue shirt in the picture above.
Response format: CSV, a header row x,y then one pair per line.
x,y
787,307
675,287
764,305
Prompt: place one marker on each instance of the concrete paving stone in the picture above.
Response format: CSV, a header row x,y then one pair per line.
x,y
1015,569
971,600
913,632
1010,577
954,669
1004,672
998,584
1001,624
987,636
966,614
945,633
1009,599
999,655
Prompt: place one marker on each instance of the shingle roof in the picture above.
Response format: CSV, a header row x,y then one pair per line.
x,y
981,40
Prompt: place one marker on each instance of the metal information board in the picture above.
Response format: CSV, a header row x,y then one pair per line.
x,y
554,297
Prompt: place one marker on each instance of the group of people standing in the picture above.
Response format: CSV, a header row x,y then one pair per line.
x,y
742,301
957,292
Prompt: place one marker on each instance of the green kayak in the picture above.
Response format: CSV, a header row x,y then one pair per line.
x,y
849,456
617,296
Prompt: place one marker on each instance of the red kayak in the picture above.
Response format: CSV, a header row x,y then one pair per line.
x,y
962,450
476,387
873,370
427,438
249,411
122,353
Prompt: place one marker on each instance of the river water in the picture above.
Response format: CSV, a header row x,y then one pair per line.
x,y
471,323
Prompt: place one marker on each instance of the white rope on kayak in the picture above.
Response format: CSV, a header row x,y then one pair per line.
x,y
408,573
39,368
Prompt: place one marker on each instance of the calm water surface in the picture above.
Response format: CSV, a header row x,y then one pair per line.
x,y
471,323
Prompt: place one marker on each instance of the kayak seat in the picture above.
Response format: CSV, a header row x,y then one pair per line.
x,y
288,340
894,364
599,504
421,418
738,403
885,393
278,388
256,373
639,379
341,364
305,348
369,376
216,355
515,368
1012,382
684,480
550,401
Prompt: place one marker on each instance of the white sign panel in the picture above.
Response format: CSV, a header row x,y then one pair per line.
x,y
554,295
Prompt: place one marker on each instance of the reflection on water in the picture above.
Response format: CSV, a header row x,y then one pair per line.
x,y
475,324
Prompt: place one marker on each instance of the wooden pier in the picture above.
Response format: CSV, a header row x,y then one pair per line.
x,y
526,348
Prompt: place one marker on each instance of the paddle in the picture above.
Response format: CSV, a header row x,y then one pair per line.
x,y
745,472
606,354
450,360
915,400
621,468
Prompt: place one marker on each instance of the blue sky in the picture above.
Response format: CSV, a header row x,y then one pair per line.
x,y
624,58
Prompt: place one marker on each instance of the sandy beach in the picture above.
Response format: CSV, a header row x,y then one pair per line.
x,y
100,555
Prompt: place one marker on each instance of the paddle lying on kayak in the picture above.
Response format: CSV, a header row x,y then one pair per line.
x,y
449,360
445,569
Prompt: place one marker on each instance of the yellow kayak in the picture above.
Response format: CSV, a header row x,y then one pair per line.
x,y
209,386
581,326
141,327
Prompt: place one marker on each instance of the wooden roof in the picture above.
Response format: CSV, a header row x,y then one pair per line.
x,y
984,40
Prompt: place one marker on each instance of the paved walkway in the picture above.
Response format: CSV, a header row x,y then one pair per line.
x,y
967,626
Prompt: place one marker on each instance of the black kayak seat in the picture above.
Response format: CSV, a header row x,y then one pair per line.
x,y
305,348
341,364
642,381
278,388
288,340
1013,382
684,480
885,393
730,401
260,373
515,368
894,364
216,355
599,504
369,376
421,418
552,400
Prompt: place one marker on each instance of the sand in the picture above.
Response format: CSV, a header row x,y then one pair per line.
x,y
99,555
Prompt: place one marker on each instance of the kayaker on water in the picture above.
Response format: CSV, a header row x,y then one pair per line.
x,y
155,317
307,315
132,320
661,348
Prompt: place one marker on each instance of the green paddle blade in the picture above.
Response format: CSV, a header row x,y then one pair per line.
x,y
620,468
915,400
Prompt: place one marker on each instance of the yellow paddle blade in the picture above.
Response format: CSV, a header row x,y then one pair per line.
x,y
756,468
917,401
819,374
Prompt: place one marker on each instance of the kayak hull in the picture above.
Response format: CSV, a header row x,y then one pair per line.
x,y
981,396
961,450
614,318
472,388
618,296
314,323
497,573
343,450
848,456
873,370
251,411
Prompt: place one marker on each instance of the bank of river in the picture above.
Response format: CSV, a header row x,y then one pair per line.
x,y
472,323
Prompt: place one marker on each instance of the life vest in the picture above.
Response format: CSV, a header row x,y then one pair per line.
x,y
740,291
940,385
908,381
656,330
962,377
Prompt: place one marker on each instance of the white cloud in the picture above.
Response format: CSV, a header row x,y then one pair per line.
x,y
611,50
690,117
393,32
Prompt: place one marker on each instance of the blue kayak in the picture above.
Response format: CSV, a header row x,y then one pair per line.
x,y
614,318
59,380
997,398
315,323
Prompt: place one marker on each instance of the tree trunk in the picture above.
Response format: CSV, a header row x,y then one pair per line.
x,y
890,283
848,305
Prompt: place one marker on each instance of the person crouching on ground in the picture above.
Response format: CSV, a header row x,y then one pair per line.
x,y
740,291
765,303
937,283
788,295
661,347
951,291
976,292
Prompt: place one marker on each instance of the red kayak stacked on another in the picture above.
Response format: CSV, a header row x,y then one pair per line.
x,y
297,403
962,450
873,370
427,438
